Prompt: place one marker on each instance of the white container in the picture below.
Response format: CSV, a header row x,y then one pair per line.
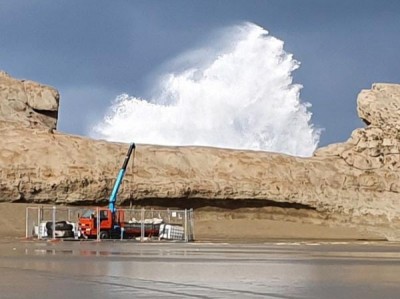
x,y
171,232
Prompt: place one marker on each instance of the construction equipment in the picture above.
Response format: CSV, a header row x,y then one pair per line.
x,y
118,181
110,222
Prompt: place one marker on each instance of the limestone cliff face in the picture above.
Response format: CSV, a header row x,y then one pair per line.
x,y
27,104
356,182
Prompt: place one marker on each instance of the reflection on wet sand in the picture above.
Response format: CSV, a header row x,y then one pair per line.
x,y
199,270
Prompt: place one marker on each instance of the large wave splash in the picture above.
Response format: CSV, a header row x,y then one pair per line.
x,y
242,96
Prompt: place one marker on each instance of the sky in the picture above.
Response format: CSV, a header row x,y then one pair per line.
x,y
92,51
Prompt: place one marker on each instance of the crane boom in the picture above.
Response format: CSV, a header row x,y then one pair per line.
x,y
118,181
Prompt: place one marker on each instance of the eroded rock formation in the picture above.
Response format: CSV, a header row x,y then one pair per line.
x,y
28,104
354,183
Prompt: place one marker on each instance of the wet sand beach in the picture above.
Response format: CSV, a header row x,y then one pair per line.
x,y
245,256
110,269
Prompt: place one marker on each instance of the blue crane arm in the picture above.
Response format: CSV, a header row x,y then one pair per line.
x,y
118,181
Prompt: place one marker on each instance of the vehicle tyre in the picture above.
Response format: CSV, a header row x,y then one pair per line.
x,y
68,234
115,233
63,226
60,225
49,225
104,235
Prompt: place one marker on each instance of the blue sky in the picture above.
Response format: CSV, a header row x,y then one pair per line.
x,y
94,50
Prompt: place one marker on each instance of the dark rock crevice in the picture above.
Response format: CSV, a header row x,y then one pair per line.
x,y
47,113
228,204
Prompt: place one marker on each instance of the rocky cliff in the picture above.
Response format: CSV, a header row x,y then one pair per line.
x,y
353,183
27,104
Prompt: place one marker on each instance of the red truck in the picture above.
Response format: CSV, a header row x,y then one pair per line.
x,y
114,225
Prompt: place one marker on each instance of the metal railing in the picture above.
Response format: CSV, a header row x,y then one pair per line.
x,y
59,222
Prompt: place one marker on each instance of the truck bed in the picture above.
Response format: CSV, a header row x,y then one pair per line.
x,y
134,229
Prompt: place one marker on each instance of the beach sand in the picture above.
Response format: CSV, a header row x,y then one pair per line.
x,y
244,224
124,269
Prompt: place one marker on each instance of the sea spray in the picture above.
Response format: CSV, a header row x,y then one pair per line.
x,y
241,97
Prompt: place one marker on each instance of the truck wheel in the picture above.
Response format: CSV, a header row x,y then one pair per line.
x,y
68,234
104,235
60,225
63,226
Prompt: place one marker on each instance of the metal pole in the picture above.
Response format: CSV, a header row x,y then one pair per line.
x,y
39,213
98,223
26,222
185,224
54,222
192,224
142,226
